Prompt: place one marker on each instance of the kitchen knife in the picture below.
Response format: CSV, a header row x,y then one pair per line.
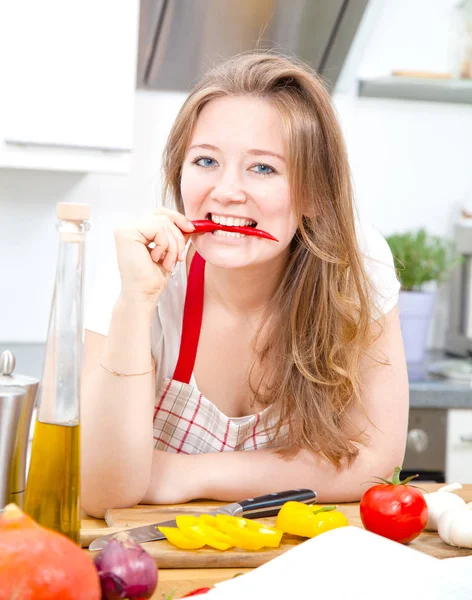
x,y
252,508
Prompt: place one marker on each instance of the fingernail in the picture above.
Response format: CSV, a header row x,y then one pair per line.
x,y
181,256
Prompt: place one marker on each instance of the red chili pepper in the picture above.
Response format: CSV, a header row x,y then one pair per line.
x,y
202,590
206,225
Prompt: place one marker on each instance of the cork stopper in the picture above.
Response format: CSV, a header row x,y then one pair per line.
x,y
72,211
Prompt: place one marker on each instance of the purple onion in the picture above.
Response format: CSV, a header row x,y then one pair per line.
x,y
126,570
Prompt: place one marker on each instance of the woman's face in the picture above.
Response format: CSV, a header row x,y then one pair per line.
x,y
235,172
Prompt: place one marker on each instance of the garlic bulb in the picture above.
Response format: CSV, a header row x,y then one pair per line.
x,y
440,501
455,526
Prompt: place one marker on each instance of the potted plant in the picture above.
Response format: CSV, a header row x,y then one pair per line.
x,y
422,261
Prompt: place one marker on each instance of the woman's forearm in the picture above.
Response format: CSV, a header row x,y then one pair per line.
x,y
232,476
117,411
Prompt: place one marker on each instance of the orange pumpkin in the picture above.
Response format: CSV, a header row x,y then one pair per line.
x,y
39,564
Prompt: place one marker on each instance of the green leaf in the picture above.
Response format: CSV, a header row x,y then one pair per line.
x,y
420,257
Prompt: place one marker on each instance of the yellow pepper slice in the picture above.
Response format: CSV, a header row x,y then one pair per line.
x,y
296,518
308,521
328,520
179,539
194,528
208,520
221,532
272,536
248,534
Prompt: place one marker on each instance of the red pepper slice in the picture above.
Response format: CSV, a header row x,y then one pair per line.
x,y
198,591
205,225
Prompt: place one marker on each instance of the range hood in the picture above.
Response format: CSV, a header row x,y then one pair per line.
x,y
180,39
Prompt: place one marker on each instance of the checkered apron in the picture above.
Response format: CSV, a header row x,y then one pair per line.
x,y
184,420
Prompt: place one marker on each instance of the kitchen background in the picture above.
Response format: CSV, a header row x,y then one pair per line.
x,y
411,159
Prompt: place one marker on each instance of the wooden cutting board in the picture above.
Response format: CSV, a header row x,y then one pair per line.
x,y
170,557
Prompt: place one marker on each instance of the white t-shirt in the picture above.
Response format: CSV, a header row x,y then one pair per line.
x,y
167,321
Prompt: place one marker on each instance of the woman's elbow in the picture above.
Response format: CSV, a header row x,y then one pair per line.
x,y
99,495
93,510
96,505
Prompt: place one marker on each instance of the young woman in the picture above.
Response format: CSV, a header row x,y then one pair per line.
x,y
231,365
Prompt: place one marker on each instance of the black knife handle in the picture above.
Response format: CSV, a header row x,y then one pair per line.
x,y
270,504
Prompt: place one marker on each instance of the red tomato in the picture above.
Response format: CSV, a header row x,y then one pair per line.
x,y
394,510
198,591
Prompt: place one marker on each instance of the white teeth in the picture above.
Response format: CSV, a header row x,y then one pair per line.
x,y
231,234
234,221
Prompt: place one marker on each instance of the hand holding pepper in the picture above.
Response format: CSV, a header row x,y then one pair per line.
x,y
144,269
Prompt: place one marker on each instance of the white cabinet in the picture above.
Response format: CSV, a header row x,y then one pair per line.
x,y
459,446
68,78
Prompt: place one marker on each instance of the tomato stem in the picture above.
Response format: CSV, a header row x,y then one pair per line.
x,y
396,476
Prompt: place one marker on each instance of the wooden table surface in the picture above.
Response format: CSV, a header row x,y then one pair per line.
x,y
184,580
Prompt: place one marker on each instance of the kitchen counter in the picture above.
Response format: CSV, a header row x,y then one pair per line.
x,y
426,390
184,580
431,391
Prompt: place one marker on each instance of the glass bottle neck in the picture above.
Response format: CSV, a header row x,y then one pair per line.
x,y
60,385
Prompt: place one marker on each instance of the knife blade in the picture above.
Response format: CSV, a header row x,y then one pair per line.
x,y
251,508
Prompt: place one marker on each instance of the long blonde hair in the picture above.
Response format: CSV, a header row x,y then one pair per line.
x,y
320,313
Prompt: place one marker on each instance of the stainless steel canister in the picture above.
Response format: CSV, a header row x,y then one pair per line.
x,y
10,428
11,404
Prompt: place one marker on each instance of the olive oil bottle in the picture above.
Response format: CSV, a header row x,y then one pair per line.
x,y
52,496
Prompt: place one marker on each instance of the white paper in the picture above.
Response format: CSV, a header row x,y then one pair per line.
x,y
350,563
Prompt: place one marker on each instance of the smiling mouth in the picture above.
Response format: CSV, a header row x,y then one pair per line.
x,y
231,221
217,229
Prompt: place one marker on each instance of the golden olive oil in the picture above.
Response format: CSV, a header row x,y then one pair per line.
x,y
52,490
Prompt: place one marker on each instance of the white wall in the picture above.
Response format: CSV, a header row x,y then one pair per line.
x,y
410,163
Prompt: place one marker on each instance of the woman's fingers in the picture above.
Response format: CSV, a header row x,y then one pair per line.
x,y
147,229
148,251
168,244
180,220
181,239
162,235
170,259
161,241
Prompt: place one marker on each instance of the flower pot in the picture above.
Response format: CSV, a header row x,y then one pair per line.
x,y
416,311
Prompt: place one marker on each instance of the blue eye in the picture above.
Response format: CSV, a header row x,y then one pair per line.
x,y
262,169
205,161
